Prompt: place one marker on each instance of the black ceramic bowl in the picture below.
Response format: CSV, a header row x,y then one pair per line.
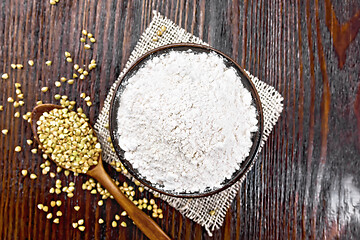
x,y
244,166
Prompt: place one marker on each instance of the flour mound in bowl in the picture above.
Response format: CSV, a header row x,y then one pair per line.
x,y
186,121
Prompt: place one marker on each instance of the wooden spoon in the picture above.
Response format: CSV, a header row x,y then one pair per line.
x,y
143,221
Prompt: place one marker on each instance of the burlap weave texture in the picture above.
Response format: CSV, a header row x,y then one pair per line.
x,y
196,209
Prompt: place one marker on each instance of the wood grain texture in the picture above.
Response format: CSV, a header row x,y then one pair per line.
x,y
306,182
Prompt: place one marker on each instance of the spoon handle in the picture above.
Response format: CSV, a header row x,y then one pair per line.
x,y
141,219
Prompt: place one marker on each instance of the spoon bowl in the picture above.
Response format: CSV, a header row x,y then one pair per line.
x,y
143,221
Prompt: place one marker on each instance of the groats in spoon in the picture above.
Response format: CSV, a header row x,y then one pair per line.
x,y
143,221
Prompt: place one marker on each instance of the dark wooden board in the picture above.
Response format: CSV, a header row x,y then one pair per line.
x,y
306,182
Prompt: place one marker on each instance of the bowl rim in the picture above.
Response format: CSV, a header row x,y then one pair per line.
x,y
250,160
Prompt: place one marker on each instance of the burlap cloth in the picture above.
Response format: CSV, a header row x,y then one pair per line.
x,y
196,209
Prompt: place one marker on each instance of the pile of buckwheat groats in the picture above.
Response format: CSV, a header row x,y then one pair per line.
x,y
51,208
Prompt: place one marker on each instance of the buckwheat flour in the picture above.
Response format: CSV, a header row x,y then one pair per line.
x,y
186,121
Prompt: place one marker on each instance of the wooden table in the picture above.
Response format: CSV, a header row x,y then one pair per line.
x,y
306,183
